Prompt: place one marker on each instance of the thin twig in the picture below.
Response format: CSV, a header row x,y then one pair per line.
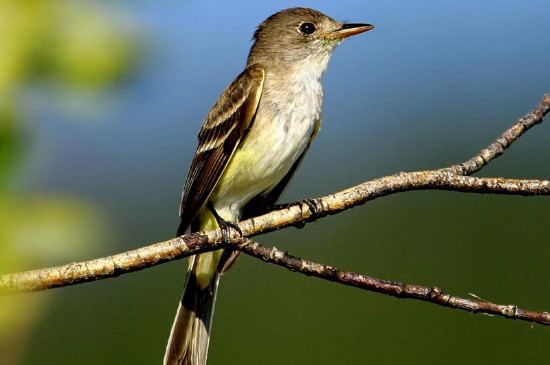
x,y
394,289
504,141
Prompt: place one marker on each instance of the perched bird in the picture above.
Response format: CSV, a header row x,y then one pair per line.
x,y
250,145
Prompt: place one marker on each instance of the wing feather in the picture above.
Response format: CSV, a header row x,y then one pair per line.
x,y
219,136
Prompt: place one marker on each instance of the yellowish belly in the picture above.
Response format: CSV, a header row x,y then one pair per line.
x,y
261,160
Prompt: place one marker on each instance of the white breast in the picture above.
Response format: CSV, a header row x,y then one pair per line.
x,y
283,126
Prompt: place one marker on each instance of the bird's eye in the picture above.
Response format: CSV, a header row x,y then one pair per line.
x,y
307,28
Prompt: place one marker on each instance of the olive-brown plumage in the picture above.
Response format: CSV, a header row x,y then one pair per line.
x,y
250,144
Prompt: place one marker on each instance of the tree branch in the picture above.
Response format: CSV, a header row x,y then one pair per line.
x,y
452,178
405,291
296,214
504,141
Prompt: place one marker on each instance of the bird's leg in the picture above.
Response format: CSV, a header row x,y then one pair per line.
x,y
282,206
229,256
224,225
313,208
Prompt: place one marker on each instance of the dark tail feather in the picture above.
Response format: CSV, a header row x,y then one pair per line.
x,y
190,335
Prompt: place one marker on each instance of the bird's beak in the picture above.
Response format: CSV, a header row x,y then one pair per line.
x,y
347,30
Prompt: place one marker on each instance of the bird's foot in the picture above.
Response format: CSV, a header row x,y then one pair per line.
x,y
224,225
313,209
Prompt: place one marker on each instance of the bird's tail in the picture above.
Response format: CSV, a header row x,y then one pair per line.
x,y
190,335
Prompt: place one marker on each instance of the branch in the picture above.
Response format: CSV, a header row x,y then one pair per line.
x,y
504,141
432,295
452,178
296,214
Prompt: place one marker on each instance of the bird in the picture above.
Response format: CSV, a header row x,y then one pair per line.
x,y
250,144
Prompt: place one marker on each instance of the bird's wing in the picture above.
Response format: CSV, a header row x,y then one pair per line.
x,y
220,134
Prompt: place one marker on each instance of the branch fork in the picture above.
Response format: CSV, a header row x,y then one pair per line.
x,y
452,178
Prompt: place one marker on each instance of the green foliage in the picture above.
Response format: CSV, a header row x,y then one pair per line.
x,y
9,146
73,46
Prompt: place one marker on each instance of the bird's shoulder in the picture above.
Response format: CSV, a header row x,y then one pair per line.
x,y
246,90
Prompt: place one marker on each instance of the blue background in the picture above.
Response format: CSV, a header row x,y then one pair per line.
x,y
431,85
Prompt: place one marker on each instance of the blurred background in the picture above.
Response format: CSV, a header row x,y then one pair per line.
x,y
100,104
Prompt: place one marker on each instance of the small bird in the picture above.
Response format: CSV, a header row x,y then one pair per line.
x,y
250,145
